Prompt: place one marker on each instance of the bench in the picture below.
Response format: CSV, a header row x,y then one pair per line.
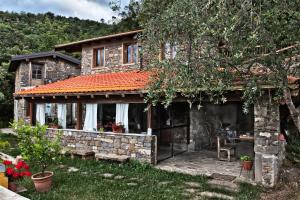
x,y
83,153
112,157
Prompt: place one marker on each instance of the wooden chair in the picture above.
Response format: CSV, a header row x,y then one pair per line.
x,y
228,149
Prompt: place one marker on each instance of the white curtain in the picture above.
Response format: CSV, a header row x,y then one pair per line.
x,y
90,122
73,112
62,115
40,113
122,115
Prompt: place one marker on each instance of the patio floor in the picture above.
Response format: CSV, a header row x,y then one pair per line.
x,y
202,163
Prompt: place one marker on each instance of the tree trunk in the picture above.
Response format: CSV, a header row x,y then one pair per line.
x,y
294,112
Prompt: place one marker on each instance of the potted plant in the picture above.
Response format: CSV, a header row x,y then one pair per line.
x,y
118,128
54,123
14,172
39,150
247,162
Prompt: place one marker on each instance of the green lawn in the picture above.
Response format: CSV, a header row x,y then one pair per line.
x,y
148,183
138,182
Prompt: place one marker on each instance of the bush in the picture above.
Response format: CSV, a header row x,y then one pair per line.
x,y
35,146
4,145
293,149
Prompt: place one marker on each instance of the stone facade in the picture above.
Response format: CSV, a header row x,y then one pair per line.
x,y
140,147
269,151
54,69
113,59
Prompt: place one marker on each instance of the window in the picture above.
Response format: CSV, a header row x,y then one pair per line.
x,y
37,71
170,50
130,53
99,57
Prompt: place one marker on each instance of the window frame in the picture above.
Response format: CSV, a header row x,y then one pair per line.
x,y
102,60
133,54
34,71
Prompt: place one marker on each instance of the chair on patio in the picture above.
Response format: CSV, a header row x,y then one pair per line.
x,y
226,151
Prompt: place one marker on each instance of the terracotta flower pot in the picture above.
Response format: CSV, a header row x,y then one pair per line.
x,y
42,182
247,165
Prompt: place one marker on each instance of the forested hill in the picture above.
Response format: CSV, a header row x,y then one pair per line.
x,y
22,33
25,32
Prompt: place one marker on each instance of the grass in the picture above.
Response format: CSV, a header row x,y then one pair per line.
x,y
88,183
13,141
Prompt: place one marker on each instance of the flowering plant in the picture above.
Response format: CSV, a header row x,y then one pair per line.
x,y
15,171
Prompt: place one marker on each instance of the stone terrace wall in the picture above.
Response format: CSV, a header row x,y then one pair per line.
x,y
137,146
269,151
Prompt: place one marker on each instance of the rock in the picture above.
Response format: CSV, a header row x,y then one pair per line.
x,y
215,195
119,177
73,169
193,184
164,182
190,190
132,184
107,175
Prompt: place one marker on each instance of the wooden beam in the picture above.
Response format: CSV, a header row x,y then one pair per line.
x,y
141,95
79,116
31,113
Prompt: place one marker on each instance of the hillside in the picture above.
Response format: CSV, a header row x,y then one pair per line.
x,y
22,33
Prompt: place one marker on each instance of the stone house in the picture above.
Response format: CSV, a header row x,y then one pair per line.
x,y
36,69
107,96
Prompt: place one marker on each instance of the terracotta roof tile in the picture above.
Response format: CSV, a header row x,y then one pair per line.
x,y
121,81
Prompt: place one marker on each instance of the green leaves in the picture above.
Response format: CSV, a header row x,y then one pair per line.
x,y
35,146
220,44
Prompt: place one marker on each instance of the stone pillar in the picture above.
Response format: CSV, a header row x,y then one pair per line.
x,y
268,149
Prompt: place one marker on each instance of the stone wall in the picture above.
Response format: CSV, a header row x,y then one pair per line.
x,y
54,69
113,60
269,151
140,147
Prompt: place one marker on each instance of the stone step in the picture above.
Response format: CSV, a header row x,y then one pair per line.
x,y
226,185
215,195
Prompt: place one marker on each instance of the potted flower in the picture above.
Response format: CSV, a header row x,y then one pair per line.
x,y
54,123
14,172
118,128
39,150
247,162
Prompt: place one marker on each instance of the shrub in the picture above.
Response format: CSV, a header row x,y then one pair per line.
x,y
4,145
35,146
245,158
293,149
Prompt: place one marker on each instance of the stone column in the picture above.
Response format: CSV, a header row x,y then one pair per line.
x,y
268,149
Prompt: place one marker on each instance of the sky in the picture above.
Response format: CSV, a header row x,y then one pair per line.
x,y
83,9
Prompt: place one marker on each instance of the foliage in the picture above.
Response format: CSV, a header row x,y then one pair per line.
x,y
4,145
16,171
23,33
293,149
220,44
246,158
13,150
35,146
152,183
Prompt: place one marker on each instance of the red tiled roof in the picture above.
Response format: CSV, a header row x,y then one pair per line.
x,y
121,81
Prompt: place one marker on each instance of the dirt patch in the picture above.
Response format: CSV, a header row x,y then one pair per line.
x,y
288,186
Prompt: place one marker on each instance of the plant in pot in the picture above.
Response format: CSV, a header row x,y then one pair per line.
x,y
247,162
39,150
15,172
54,123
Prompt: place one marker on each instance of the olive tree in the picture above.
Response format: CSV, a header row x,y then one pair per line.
x,y
222,44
